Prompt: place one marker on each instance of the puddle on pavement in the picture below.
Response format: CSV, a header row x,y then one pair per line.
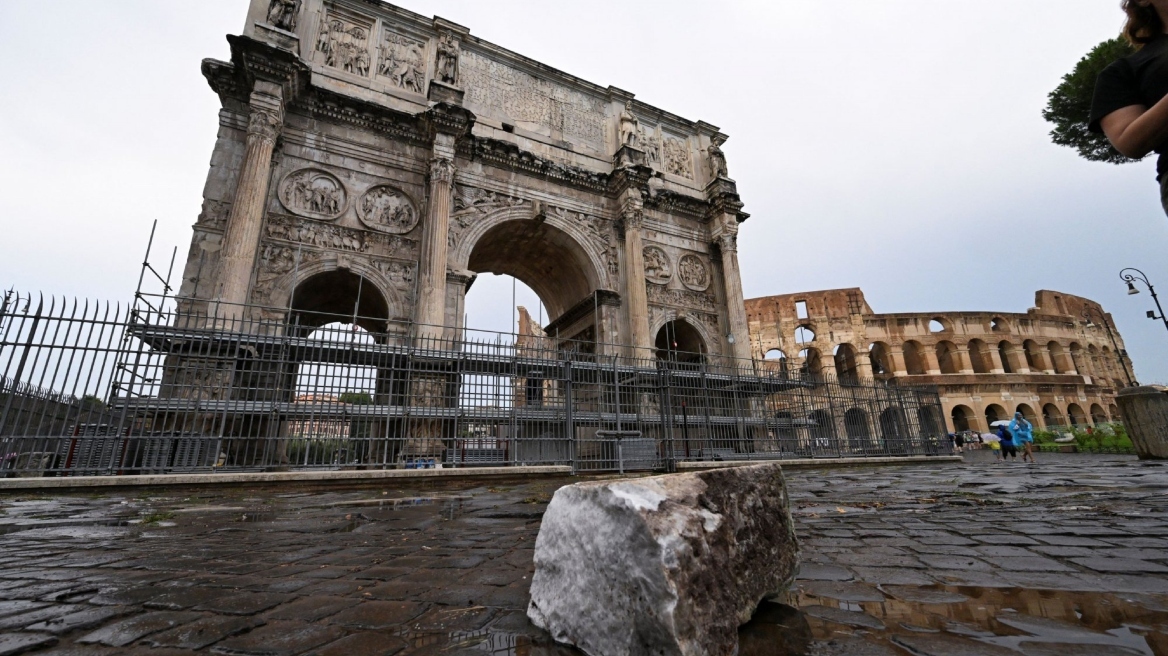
x,y
955,619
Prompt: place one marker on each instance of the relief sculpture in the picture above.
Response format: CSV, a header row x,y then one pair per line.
x,y
657,267
345,45
387,209
317,234
313,193
693,272
402,62
682,298
470,203
677,158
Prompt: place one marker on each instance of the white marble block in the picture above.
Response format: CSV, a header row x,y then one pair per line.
x,y
665,565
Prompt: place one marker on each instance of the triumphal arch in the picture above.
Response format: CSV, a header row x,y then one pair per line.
x,y
371,161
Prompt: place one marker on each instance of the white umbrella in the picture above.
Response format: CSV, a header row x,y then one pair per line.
x,y
990,437
1001,422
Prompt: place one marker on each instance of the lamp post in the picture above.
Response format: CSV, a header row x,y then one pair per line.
x,y
1130,279
1118,353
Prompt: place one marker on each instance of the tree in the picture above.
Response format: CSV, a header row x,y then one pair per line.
x,y
1069,105
356,398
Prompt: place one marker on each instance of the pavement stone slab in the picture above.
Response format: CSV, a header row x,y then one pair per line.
x,y
902,569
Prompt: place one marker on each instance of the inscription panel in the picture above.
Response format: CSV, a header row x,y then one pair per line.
x,y
513,95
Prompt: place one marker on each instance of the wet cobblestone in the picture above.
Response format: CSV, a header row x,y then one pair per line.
x,y
1067,557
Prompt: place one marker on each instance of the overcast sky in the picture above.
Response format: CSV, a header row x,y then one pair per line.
x,y
895,145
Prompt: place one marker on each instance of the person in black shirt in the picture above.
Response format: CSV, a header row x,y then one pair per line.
x,y
1129,104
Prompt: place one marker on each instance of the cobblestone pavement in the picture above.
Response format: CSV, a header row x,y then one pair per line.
x,y
1068,557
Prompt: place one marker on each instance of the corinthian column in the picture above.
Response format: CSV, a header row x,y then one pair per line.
x,y
635,295
242,237
431,311
727,240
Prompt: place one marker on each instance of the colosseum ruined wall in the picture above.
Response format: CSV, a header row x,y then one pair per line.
x,y
1060,363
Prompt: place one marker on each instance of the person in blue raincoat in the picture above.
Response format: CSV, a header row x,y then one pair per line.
x,y
1023,436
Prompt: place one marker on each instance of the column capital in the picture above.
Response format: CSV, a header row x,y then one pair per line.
x,y
265,123
441,170
632,219
724,234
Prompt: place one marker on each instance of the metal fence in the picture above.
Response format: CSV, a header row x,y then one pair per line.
x,y
158,387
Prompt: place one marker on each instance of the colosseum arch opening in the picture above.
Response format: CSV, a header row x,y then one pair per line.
x,y
881,359
947,358
846,369
914,361
995,412
979,356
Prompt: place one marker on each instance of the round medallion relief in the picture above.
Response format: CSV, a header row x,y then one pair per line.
x,y
658,269
313,193
693,273
387,209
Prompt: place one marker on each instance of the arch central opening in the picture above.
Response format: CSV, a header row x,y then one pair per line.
x,y
548,262
545,258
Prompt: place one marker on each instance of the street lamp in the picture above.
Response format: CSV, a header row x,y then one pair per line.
x,y
1130,279
1118,353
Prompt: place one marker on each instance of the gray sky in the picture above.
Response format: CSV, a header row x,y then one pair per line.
x,y
895,145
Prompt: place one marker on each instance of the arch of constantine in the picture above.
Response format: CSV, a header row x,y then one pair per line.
x,y
1057,363
370,162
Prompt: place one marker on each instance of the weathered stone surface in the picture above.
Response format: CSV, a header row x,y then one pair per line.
x,y
662,565
1145,415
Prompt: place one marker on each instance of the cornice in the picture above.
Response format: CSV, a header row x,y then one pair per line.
x,y
322,104
509,156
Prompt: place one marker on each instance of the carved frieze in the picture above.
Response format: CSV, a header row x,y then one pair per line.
x,y
658,268
693,272
343,41
387,209
401,60
313,193
678,159
508,93
681,298
337,238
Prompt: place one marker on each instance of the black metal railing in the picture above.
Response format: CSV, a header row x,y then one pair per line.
x,y
171,386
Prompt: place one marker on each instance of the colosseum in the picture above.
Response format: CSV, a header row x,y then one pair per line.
x,y
1059,363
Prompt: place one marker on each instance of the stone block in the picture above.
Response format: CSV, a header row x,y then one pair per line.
x,y
1145,415
665,565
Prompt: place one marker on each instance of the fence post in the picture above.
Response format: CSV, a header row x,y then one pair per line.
x,y
665,402
569,422
36,321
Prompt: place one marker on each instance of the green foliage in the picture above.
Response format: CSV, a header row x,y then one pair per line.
x,y
1069,105
356,398
1104,438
